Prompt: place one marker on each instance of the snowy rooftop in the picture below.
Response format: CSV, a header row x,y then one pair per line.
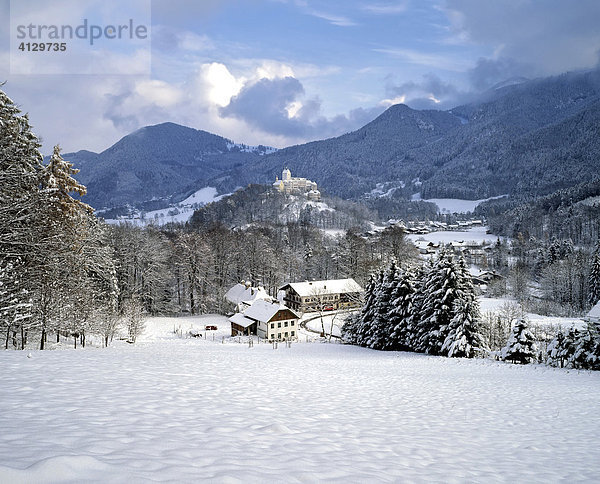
x,y
262,310
595,311
242,293
334,286
241,320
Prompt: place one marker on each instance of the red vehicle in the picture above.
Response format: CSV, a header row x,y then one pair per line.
x,y
328,308
210,328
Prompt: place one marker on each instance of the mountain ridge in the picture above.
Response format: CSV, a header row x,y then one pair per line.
x,y
546,127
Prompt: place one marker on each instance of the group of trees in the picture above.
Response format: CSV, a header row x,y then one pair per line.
x,y
433,309
57,271
576,348
430,309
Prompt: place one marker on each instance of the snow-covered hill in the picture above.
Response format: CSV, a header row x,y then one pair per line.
x,y
177,212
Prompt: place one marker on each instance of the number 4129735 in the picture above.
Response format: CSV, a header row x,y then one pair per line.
x,y
42,46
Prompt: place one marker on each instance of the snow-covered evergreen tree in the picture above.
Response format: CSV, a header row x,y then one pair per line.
x,y
561,349
465,339
402,310
353,328
594,280
520,347
368,313
586,354
444,284
381,327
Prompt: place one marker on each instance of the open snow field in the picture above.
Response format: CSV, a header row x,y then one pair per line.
x,y
474,234
189,410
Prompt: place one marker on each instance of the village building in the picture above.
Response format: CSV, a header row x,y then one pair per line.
x,y
243,294
266,319
296,186
322,295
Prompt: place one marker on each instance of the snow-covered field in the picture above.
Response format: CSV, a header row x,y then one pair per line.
x,y
495,305
456,205
474,234
180,212
190,410
335,319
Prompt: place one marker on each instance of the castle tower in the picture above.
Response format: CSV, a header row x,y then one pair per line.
x,y
286,175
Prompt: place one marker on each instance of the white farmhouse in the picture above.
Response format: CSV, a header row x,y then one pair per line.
x,y
243,294
269,320
322,295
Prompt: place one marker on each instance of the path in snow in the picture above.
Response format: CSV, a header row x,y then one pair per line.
x,y
192,410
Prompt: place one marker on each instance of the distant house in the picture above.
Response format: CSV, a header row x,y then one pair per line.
x,y
594,315
267,319
242,295
322,295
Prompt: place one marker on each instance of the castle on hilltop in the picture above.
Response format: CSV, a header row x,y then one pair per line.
x,y
296,186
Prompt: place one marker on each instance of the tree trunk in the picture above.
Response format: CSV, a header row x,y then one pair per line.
x,y
23,338
7,337
106,341
43,338
83,340
192,300
58,336
75,340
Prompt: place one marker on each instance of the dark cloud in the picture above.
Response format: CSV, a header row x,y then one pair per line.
x,y
543,37
430,93
113,112
489,72
263,105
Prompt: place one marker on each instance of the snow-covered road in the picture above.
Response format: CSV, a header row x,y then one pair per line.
x,y
189,410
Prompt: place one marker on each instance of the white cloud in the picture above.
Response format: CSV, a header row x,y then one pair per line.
x,y
428,59
391,101
393,8
333,19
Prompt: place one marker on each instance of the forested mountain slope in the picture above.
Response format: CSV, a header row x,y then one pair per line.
x,y
157,161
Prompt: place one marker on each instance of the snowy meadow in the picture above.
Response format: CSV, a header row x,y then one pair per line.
x,y
188,410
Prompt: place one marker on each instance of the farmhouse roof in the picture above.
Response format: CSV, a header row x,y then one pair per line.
x,y
243,293
316,288
241,320
595,311
263,311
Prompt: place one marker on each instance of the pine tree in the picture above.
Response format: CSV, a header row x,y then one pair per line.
x,y
520,347
442,287
561,349
586,355
369,312
465,339
594,280
352,328
404,294
381,326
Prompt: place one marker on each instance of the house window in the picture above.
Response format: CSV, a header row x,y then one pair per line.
x,y
285,324
278,335
279,325
286,335
272,325
292,333
292,323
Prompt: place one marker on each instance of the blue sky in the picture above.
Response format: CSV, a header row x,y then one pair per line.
x,y
282,72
